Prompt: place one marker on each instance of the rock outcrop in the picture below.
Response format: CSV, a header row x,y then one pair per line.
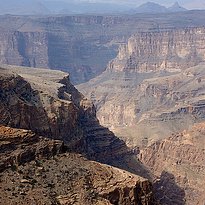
x,y
72,179
48,104
21,146
33,170
180,158
39,163
36,105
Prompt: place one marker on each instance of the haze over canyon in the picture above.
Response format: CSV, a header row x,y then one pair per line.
x,y
102,108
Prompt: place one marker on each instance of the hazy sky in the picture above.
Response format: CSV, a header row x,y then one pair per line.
x,y
190,4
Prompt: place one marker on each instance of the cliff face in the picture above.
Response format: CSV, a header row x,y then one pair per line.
x,y
154,51
61,121
24,48
82,45
138,103
37,106
183,156
48,104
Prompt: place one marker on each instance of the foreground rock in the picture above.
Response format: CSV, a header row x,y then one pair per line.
x,y
179,164
71,179
61,121
20,146
32,171
43,180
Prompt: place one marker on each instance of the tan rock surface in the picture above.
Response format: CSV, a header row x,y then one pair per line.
x,y
166,50
148,99
33,172
181,158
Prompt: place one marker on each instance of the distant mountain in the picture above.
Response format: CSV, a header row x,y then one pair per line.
x,y
22,7
176,8
39,7
151,7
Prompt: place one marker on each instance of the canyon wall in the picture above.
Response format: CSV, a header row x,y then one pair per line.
x,y
152,90
181,157
153,99
81,45
154,51
24,48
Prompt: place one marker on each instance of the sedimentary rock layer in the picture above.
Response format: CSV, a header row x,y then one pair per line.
x,y
83,44
152,84
166,50
179,160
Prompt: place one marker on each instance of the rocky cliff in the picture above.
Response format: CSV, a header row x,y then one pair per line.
x,y
36,106
82,44
24,48
138,102
181,157
167,50
61,120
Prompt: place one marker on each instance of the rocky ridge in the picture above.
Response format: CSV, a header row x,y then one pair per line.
x,y
61,121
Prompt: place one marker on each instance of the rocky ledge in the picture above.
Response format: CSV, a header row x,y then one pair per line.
x,y
34,170
45,122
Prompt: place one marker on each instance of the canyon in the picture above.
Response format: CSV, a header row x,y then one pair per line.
x,y
132,134
152,97
81,44
153,88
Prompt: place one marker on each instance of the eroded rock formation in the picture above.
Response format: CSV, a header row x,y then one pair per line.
x,y
167,50
149,99
61,120
182,156
83,44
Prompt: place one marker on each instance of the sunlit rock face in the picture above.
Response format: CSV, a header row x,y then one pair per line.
x,y
153,87
154,51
